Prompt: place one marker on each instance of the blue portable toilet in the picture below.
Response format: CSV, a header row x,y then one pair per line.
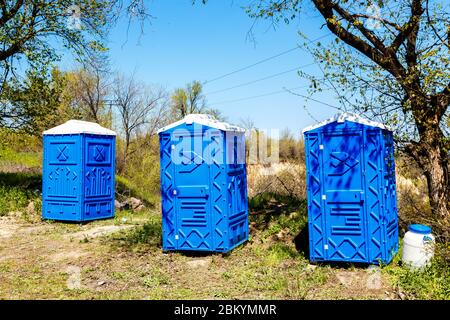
x,y
203,185
351,189
78,178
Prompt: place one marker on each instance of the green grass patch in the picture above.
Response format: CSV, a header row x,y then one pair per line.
x,y
17,190
431,283
126,188
156,278
267,200
148,235
13,199
10,157
279,252
130,217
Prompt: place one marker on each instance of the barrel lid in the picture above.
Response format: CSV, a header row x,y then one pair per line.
x,y
419,228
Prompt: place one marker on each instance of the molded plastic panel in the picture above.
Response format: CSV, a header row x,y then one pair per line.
x,y
352,210
204,198
78,177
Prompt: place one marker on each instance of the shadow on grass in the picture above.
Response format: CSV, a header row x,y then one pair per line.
x,y
17,190
343,265
269,206
301,241
283,211
70,222
25,180
196,254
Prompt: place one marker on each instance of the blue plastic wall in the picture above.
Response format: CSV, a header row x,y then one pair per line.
x,y
78,177
204,204
351,190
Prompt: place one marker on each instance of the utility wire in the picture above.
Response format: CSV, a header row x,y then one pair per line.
x,y
259,96
261,79
254,97
312,99
252,65
278,92
262,61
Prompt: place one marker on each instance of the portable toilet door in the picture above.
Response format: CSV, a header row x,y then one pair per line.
x,y
203,185
78,178
352,207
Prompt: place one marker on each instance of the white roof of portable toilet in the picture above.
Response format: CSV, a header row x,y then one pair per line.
x,y
204,120
78,126
347,116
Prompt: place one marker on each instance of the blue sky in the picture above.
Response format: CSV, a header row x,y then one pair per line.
x,y
185,43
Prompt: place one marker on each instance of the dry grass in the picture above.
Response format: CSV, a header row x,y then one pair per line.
x,y
122,258
40,260
285,178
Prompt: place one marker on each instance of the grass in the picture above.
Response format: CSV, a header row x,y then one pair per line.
x,y
17,190
156,278
431,283
273,264
147,235
269,266
10,157
132,265
126,188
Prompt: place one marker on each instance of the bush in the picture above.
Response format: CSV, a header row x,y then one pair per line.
x,y
17,190
19,141
413,203
140,177
126,188
12,199
291,148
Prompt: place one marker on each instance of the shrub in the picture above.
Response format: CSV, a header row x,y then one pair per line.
x,y
140,176
17,190
126,188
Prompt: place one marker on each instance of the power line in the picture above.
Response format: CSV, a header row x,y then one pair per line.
x,y
262,61
312,99
278,92
261,79
252,65
259,96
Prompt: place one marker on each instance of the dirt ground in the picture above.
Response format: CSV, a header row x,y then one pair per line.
x,y
121,258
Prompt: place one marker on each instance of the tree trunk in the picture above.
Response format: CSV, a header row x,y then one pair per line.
x,y
430,152
125,151
431,155
436,172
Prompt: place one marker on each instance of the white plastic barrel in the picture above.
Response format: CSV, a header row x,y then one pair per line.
x,y
418,246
